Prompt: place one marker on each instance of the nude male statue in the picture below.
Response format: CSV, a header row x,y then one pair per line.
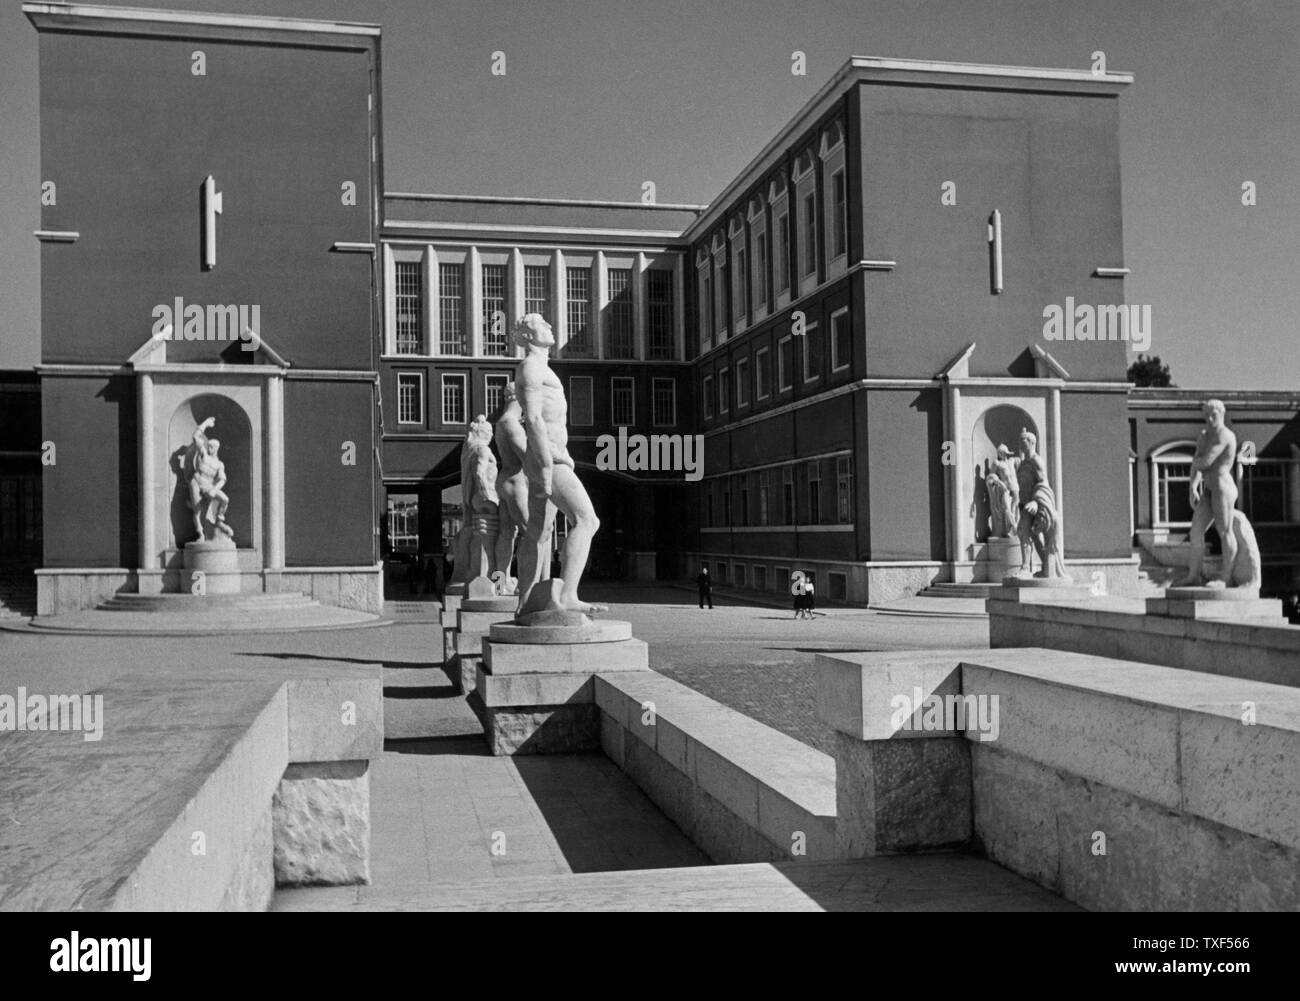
x,y
1213,494
512,488
476,541
207,475
1004,494
547,463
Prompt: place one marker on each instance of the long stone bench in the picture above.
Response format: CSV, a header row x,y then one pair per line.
x,y
741,791
1120,785
200,793
1258,649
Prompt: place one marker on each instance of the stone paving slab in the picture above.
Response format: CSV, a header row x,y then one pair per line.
x,y
945,882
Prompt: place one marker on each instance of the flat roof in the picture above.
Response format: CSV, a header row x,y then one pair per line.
x,y
54,15
910,72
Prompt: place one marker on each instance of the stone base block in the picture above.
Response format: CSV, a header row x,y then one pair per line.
x,y
901,795
462,671
1040,591
533,689
321,824
598,631
1234,609
542,729
564,658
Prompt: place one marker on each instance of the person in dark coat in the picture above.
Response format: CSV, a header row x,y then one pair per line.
x,y
705,583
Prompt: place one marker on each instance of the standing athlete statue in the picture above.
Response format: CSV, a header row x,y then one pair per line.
x,y
549,468
207,475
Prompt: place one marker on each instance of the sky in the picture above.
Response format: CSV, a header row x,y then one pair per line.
x,y
600,96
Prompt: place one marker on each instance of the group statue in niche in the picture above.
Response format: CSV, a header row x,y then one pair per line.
x,y
1021,499
513,499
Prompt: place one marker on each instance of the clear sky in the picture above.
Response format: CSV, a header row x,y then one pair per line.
x,y
602,95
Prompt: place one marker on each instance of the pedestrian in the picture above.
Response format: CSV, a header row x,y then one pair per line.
x,y
705,583
809,601
798,603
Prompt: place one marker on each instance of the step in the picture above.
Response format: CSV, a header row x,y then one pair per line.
x,y
947,882
969,590
206,603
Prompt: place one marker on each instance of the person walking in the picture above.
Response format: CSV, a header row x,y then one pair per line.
x,y
809,601
705,583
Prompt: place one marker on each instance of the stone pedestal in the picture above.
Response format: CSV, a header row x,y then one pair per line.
x,y
1040,590
321,824
997,559
217,560
536,687
1218,603
475,618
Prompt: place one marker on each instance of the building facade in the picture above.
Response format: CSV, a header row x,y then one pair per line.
x,y
852,327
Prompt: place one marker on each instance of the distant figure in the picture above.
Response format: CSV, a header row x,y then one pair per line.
x,y
705,583
809,601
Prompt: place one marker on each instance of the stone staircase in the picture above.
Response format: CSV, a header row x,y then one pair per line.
x,y
947,589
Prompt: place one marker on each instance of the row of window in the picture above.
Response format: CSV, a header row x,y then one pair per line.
x,y
563,290
756,576
455,399
744,272
753,382
807,492
1267,488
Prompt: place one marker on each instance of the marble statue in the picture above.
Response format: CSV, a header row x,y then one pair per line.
x,y
549,470
512,489
1040,521
476,541
1004,495
206,476
1216,467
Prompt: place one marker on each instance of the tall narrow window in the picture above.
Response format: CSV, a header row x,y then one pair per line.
x,y
495,335
537,290
787,495
410,398
622,401
839,220
578,289
494,392
762,374
843,489
809,234
580,401
454,404
764,487
744,498
662,344
451,309
761,268
618,314
739,280
724,390
784,364
410,308
783,253
841,343
742,383
706,391
664,402
814,493
812,353
706,308
720,287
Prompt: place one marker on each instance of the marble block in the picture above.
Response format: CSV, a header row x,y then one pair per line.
x,y
592,631
321,820
1040,590
1178,603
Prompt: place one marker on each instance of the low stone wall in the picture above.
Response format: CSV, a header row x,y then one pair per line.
x,y
741,791
59,591
1119,785
1257,649
194,798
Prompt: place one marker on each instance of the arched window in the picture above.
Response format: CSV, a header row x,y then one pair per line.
x,y
1171,478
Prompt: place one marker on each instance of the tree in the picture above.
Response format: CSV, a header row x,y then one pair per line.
x,y
1147,371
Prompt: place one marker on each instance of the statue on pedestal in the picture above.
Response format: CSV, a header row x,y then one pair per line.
x,y
549,470
206,476
1004,495
1040,521
1216,467
476,540
512,489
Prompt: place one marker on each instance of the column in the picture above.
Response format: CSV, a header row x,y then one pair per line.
x,y
599,299
952,430
1058,486
1293,487
430,317
474,301
390,301
148,459
514,292
274,557
639,307
559,301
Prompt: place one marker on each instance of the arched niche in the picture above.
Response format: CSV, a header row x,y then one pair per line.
x,y
233,429
998,425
